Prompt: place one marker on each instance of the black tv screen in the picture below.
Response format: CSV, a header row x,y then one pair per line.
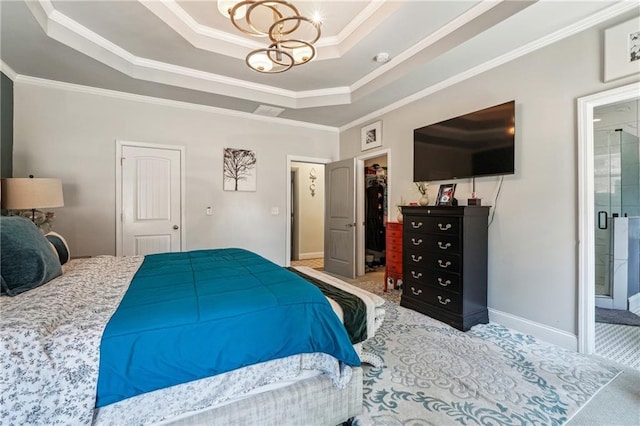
x,y
480,143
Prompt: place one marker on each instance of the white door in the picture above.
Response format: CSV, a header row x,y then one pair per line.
x,y
151,200
340,218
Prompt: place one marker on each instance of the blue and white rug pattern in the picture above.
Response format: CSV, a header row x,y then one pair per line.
x,y
491,375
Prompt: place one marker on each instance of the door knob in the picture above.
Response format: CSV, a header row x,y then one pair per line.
x,y
175,227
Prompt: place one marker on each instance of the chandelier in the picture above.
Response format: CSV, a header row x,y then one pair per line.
x,y
292,36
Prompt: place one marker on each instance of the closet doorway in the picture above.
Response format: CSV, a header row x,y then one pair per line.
x,y
372,194
375,213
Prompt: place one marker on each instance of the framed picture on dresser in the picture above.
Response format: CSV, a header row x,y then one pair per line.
x,y
445,194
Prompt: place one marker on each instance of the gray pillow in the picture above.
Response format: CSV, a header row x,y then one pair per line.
x,y
26,258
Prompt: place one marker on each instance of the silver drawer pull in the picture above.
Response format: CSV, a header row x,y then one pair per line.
x,y
415,274
416,242
416,225
444,227
445,264
417,293
443,302
443,246
416,259
443,283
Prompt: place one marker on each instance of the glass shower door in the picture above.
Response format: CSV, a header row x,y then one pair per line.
x,y
617,208
607,198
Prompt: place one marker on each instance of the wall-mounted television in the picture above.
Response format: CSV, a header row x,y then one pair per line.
x,y
480,143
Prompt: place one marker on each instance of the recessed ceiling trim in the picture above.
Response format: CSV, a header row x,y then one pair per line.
x,y
71,33
595,19
8,71
58,85
198,35
210,39
437,35
361,20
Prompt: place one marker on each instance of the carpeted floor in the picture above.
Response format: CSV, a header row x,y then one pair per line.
x,y
489,375
435,375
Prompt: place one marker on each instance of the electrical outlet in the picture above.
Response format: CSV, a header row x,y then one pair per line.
x,y
209,211
275,211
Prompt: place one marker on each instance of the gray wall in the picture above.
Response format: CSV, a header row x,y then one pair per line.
x,y
6,123
72,135
533,242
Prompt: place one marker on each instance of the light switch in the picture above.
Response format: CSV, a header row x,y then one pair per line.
x,y
275,211
209,211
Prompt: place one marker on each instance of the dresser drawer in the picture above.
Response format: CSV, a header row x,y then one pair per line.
x,y
437,224
436,243
394,243
441,298
434,278
394,257
438,261
394,232
393,267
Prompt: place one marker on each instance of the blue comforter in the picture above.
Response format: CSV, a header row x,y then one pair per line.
x,y
196,314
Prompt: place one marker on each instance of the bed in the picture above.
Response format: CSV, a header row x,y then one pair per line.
x,y
54,344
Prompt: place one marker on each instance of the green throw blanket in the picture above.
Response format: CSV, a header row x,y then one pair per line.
x,y
353,308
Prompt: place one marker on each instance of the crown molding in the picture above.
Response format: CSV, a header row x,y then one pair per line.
x,y
595,19
8,71
236,46
71,33
59,85
441,33
198,35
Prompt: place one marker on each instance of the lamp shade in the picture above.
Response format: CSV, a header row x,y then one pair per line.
x,y
31,193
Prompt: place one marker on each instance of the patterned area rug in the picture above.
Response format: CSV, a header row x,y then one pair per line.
x,y
436,375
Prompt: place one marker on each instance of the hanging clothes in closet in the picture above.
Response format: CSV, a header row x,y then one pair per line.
x,y
376,186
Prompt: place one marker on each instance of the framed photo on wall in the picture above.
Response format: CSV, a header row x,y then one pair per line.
x,y
371,135
622,50
239,170
445,194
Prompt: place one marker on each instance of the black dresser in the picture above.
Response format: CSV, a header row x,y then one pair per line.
x,y
445,263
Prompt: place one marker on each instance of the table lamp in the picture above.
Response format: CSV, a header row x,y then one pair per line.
x,y
31,194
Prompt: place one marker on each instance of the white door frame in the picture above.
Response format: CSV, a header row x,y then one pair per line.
x,y
118,212
299,159
360,194
586,221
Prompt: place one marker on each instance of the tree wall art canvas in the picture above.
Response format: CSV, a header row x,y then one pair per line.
x,y
239,170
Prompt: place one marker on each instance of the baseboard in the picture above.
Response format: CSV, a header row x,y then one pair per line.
x,y
634,303
312,255
539,331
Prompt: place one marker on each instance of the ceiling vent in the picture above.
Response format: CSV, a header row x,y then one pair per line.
x,y
269,111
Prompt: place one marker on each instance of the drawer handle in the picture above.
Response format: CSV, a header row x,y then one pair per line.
x,y
443,283
415,274
443,246
445,264
416,243
443,302
416,225
444,227
417,293
416,259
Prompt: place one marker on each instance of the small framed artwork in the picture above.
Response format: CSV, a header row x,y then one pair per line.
x,y
371,135
622,50
239,170
445,194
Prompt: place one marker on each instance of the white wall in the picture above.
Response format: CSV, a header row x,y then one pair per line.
x,y
533,238
310,211
72,135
